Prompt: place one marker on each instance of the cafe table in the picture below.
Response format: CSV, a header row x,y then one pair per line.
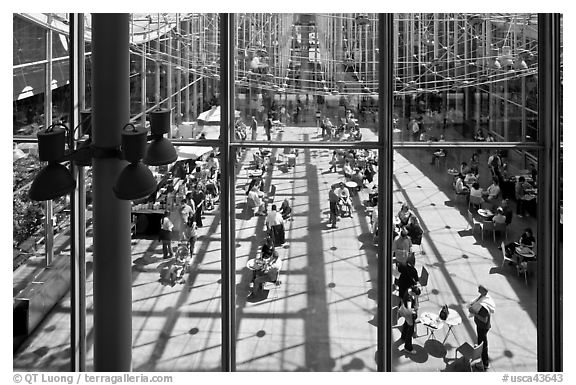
x,y
486,214
432,322
453,319
525,253
352,186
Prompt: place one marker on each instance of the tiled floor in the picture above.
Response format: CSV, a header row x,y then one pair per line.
x,y
319,317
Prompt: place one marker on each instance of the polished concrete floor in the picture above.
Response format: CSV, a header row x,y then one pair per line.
x,y
321,317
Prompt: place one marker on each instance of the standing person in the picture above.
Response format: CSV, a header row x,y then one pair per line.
x,y
190,235
481,309
333,198
268,128
254,127
333,162
166,227
275,226
409,310
198,197
186,213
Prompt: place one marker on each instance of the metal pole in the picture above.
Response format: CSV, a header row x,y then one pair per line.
x,y
49,204
385,200
227,191
549,290
143,75
77,203
112,249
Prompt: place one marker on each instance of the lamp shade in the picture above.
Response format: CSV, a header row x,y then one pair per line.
x,y
134,182
51,143
51,182
160,151
160,122
134,143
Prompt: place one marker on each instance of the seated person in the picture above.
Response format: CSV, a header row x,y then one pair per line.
x,y
475,190
344,195
470,178
178,267
493,191
347,169
285,209
414,230
479,137
358,177
499,218
460,187
268,273
527,239
504,205
402,245
254,201
404,214
464,169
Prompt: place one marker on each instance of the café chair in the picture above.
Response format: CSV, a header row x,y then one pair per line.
x,y
502,228
469,354
423,281
487,226
475,202
473,222
505,258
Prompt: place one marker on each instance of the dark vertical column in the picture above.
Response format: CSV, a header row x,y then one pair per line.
x,y
227,190
77,203
385,159
549,247
112,261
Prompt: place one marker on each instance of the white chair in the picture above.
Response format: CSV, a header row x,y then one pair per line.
x,y
475,201
505,258
502,228
469,353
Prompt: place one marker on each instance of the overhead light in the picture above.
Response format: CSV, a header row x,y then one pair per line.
x,y
54,180
160,151
135,180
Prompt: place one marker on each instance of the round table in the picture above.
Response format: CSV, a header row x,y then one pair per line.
x,y
485,213
432,322
351,185
453,172
525,252
453,319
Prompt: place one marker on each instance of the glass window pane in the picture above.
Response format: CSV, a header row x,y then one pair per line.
x,y
464,77
460,250
300,69
320,313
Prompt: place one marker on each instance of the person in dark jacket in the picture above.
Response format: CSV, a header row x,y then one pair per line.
x,y
482,308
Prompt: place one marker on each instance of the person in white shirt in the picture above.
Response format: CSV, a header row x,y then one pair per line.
x,y
256,201
476,191
499,217
493,191
268,273
275,226
166,227
347,169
